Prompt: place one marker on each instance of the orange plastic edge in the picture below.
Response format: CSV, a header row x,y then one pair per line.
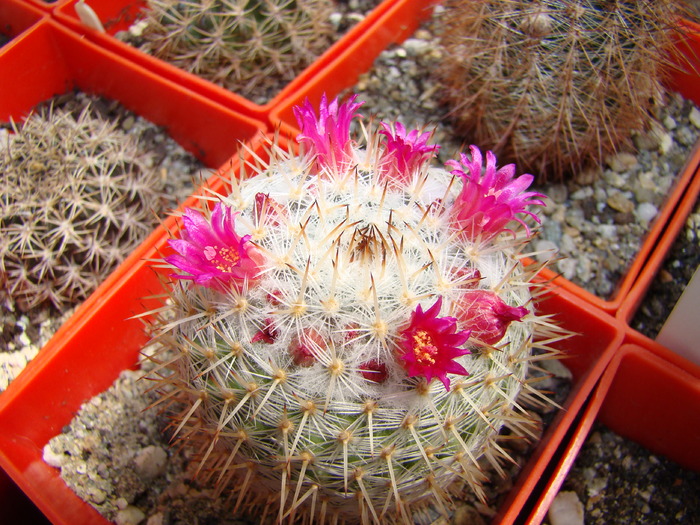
x,y
689,85
46,6
48,60
648,395
45,397
397,23
16,17
118,14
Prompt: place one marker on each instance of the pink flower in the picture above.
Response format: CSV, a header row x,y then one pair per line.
x,y
328,135
489,201
405,154
212,252
430,343
486,315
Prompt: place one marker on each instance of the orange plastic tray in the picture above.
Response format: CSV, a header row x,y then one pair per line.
x,y
117,15
46,395
17,16
49,60
342,73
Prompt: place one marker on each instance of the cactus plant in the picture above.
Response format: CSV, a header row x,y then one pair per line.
x,y
556,85
239,44
348,330
78,195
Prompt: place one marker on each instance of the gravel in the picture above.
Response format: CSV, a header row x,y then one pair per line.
x,y
597,229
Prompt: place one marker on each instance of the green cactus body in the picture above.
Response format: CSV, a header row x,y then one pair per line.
x,y
78,195
238,44
296,390
556,85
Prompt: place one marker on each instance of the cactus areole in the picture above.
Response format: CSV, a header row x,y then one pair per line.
x,y
350,328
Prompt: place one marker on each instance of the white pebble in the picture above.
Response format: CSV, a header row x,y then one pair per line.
x,y
150,462
51,458
545,250
567,267
646,212
694,117
415,47
129,516
566,509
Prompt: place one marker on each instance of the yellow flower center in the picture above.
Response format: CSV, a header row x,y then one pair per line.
x,y
223,259
423,348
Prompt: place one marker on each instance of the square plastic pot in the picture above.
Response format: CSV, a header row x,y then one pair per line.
x,y
647,395
15,17
45,5
117,15
342,74
52,388
49,60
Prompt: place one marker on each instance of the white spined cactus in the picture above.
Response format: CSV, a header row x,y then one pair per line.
x,y
350,329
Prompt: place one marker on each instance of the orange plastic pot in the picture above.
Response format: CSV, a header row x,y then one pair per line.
x,y
17,16
646,395
344,71
50,60
688,190
49,392
400,20
46,6
117,15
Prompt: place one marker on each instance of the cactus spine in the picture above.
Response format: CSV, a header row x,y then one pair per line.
x,y
238,44
349,329
556,85
78,195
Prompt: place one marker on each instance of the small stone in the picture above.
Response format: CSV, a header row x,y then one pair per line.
x,y
566,509
646,212
129,516
156,519
415,47
694,117
545,250
622,162
558,193
128,123
97,496
51,458
335,20
567,267
669,122
150,462
618,202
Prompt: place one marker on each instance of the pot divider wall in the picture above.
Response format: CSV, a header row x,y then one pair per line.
x,y
49,60
15,17
117,15
47,395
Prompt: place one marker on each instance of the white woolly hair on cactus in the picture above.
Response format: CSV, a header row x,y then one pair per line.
x,y
349,329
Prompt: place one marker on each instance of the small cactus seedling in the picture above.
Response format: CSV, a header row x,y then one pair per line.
x,y
349,329
239,44
556,85
78,195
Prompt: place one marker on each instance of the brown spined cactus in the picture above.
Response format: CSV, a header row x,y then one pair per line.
x,y
78,194
247,46
556,85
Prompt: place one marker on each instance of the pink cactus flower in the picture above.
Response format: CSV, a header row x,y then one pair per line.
x,y
486,315
328,135
405,153
491,198
212,253
430,343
